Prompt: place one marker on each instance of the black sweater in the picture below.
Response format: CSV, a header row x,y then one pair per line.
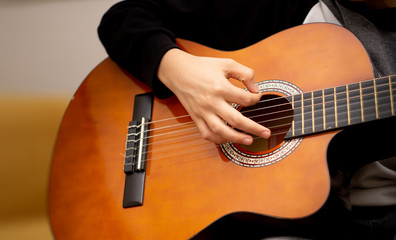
x,y
136,33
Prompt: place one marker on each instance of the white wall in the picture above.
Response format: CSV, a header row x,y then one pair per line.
x,y
48,46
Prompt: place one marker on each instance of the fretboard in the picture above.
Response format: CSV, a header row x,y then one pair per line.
x,y
342,106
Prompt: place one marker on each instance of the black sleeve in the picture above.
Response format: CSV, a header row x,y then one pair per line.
x,y
136,33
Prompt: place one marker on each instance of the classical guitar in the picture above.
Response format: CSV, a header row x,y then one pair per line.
x,y
156,178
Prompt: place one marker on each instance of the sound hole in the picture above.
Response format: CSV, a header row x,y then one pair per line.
x,y
273,112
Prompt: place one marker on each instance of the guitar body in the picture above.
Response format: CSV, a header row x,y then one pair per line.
x,y
187,191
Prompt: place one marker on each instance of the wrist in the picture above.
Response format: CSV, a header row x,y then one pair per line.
x,y
169,65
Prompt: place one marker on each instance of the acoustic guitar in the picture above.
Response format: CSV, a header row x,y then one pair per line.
x,y
130,166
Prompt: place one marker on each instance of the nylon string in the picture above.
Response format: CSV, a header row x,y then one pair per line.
x,y
187,138
260,109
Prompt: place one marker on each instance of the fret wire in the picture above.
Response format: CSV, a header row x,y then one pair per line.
x,y
375,99
302,113
324,109
352,111
391,96
361,101
293,119
313,114
348,107
335,107
346,111
342,112
279,133
324,129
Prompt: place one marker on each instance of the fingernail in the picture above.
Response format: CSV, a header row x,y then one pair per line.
x,y
265,134
247,141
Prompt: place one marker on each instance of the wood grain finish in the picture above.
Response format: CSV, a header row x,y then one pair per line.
x,y
186,192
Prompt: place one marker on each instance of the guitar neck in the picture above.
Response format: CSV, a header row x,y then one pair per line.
x,y
339,107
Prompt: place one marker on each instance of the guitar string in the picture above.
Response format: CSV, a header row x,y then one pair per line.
x,y
272,120
183,138
280,97
196,137
210,152
273,128
204,145
311,99
192,141
184,145
186,137
263,115
329,123
196,149
175,154
332,123
194,127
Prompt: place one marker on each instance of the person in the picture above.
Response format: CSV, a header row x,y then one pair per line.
x,y
140,37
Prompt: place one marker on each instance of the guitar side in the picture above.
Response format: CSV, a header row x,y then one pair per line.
x,y
186,192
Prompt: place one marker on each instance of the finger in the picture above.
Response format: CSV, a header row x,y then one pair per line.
x,y
237,120
218,127
242,73
207,133
239,96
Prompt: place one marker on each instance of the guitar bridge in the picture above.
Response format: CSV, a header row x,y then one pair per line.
x,y
136,151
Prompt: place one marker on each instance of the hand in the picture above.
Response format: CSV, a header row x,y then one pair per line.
x,y
202,86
